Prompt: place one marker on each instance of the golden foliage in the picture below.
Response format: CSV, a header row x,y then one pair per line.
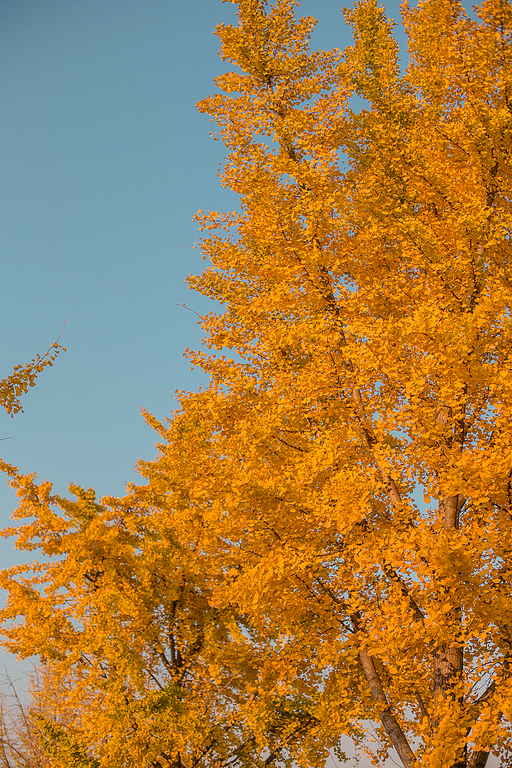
x,y
366,284
23,377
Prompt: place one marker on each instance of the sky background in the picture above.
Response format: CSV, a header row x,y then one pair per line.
x,y
104,160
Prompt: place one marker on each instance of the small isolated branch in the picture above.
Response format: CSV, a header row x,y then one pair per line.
x,y
61,332
55,344
489,691
191,310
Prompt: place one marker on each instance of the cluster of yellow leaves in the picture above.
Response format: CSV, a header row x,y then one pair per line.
x,y
23,377
140,668
367,292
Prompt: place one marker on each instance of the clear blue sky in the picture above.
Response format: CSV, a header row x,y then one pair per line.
x,y
103,162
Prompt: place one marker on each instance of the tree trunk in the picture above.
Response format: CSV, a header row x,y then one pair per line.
x,y
478,759
389,721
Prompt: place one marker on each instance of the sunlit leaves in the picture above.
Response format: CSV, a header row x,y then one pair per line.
x,y
323,538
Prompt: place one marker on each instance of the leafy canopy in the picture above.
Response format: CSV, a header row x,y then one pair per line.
x,y
366,283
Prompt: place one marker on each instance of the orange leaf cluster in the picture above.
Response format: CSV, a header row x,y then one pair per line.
x,y
278,581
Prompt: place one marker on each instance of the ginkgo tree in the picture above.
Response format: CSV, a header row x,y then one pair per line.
x,y
345,482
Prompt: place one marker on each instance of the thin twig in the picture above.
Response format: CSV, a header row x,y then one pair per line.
x,y
191,310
